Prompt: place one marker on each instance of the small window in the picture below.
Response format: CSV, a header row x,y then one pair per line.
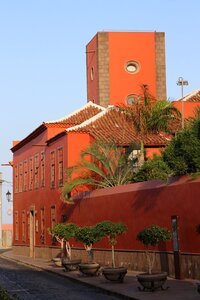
x,y
132,67
52,169
131,99
92,73
16,222
42,173
16,178
60,167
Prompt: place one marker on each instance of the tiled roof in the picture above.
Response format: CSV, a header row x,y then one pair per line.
x,y
111,125
84,113
192,97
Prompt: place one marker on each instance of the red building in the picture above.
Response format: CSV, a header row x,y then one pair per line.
x,y
40,159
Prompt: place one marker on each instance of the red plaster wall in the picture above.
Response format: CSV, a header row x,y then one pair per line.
x,y
151,151
43,196
143,204
72,143
189,108
125,46
76,143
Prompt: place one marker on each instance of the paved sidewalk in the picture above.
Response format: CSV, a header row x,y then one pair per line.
x,y
178,289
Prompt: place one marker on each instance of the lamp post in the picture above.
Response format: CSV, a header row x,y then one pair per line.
x,y
181,82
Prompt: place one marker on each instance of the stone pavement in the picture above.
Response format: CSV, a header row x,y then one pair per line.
x,y
178,289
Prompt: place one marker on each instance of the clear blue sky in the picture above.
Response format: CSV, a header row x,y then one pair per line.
x,y
43,63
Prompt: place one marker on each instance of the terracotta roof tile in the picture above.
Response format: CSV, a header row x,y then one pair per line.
x,y
112,125
84,113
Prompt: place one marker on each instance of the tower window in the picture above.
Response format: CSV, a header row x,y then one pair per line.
x,y
131,99
92,73
132,67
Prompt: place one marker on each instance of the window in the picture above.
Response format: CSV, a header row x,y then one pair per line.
x,y
131,99
36,185
16,216
25,175
23,225
60,167
31,173
53,221
92,73
16,178
42,226
132,67
52,162
42,168
28,226
20,176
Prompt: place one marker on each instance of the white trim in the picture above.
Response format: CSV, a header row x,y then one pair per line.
x,y
91,120
90,103
188,96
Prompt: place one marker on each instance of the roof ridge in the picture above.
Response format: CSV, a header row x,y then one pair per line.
x,y
92,119
88,104
188,96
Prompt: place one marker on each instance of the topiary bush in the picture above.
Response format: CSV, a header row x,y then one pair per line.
x,y
152,236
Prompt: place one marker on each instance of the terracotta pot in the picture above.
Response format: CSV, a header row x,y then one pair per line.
x,y
114,274
152,282
71,265
89,269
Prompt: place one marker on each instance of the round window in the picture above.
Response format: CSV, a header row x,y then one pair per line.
x,y
131,99
132,67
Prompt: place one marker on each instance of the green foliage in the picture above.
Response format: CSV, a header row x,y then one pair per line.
x,y
111,230
154,168
88,235
4,295
151,116
64,230
153,235
182,154
101,165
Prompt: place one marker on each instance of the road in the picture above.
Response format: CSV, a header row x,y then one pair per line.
x,y
31,283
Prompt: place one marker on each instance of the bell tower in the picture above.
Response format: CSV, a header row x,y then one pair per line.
x,y
119,63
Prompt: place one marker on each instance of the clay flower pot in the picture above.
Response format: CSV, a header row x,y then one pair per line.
x,y
152,282
89,269
114,274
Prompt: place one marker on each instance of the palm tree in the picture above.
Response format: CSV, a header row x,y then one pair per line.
x,y
101,165
151,116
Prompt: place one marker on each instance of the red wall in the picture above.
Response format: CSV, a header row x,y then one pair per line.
x,y
143,204
125,46
92,85
189,108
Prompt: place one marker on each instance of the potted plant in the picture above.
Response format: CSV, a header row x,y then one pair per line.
x,y
63,232
111,230
151,237
88,235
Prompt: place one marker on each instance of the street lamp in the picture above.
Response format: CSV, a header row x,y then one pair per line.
x,y
8,196
181,82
